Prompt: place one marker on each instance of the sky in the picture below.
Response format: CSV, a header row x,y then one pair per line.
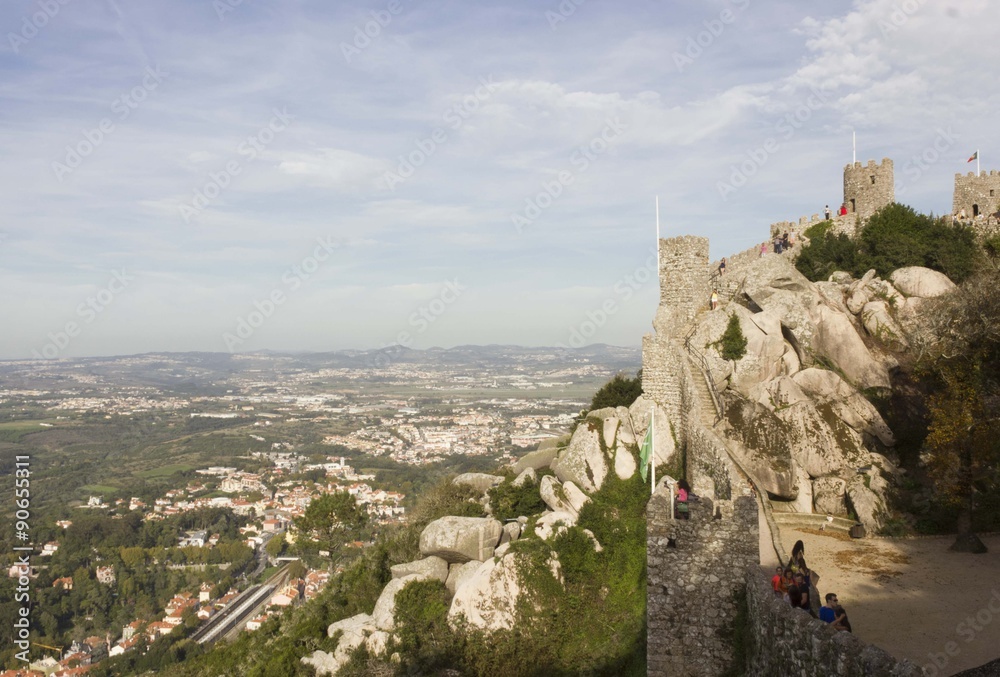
x,y
300,175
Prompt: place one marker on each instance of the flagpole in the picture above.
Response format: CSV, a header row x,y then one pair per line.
x,y
977,162
652,451
854,146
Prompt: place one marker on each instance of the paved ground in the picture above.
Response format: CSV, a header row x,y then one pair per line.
x,y
913,598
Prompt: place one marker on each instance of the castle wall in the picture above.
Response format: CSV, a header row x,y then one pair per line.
x,y
662,379
684,279
977,194
787,641
868,188
693,588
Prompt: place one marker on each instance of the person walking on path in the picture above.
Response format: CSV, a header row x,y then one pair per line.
x,y
714,301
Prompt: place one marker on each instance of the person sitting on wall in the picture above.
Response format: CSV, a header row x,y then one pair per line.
x,y
798,553
778,582
833,613
800,583
788,582
681,501
843,209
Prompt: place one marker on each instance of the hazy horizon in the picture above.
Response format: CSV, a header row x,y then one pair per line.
x,y
237,176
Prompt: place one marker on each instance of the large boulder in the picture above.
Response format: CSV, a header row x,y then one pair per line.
x,y
552,524
428,567
562,497
922,282
537,460
459,574
384,615
826,387
583,462
355,631
460,539
820,442
828,496
836,339
479,481
865,494
880,324
763,445
625,464
489,600
528,475
664,447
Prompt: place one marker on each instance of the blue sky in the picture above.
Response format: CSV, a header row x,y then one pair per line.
x,y
464,173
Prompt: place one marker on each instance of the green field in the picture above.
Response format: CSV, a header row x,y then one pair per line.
x,y
13,431
165,471
99,489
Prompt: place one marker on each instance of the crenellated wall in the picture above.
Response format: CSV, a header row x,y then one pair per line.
x,y
977,195
868,188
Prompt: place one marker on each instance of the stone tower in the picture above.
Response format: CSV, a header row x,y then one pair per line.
x,y
868,188
977,195
684,279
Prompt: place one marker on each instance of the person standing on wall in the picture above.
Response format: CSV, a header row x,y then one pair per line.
x,y
714,301
827,212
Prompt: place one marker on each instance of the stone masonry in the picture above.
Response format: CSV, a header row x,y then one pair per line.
x,y
868,188
977,195
684,279
696,570
787,641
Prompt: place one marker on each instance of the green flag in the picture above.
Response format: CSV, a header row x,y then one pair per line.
x,y
646,451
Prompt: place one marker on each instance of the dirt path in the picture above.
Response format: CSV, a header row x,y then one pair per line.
x,y
913,598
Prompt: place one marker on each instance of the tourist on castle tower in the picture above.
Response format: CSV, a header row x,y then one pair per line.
x,y
827,213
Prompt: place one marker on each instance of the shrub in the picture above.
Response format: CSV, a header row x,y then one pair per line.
x,y
894,237
733,344
620,391
509,502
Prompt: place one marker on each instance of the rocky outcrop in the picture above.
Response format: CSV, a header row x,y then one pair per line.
x,y
383,617
922,282
481,482
459,574
354,632
537,460
562,497
460,539
488,600
551,524
583,462
428,567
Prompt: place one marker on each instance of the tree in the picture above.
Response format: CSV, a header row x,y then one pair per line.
x,y
963,441
331,520
733,344
620,391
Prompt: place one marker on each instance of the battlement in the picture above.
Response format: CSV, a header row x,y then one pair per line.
x,y
973,175
868,188
977,196
684,278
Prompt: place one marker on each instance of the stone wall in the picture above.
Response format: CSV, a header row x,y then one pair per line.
x,y
868,188
684,279
693,583
662,379
787,641
976,194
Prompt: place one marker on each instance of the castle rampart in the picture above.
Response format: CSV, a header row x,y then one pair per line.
x,y
978,196
868,188
684,279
